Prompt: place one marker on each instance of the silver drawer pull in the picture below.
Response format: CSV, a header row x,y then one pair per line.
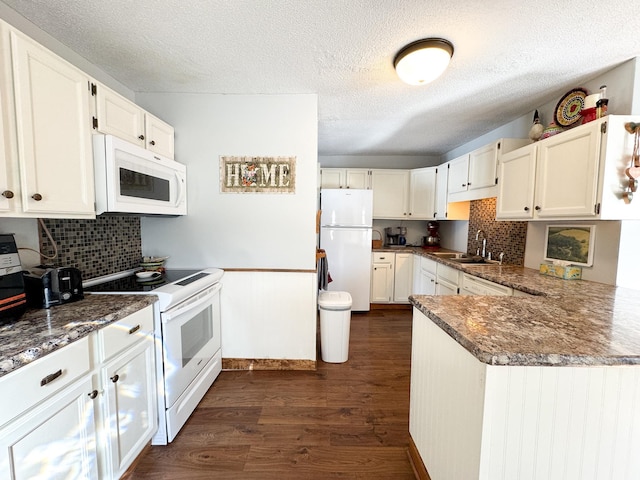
x,y
134,329
50,378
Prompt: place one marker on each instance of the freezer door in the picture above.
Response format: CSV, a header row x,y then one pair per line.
x,y
349,258
351,207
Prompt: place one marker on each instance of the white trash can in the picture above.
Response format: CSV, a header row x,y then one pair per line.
x,y
335,323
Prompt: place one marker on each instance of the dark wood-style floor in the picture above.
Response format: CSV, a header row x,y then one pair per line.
x,y
347,421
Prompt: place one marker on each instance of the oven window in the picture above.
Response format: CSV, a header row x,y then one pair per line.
x,y
195,334
141,185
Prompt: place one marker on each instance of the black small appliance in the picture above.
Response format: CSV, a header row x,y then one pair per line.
x,y
47,286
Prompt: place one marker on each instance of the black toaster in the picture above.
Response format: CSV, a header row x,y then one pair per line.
x,y
49,286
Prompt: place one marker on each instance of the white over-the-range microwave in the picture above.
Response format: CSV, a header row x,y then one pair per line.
x,y
132,180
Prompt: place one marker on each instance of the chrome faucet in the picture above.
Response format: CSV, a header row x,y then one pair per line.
x,y
484,243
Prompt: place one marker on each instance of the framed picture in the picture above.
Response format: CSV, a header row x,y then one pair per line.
x,y
570,243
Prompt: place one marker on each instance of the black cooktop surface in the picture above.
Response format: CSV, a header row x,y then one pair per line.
x,y
134,284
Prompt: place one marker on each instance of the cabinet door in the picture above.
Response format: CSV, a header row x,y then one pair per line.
x,y
9,179
332,177
458,174
403,277
54,132
358,178
441,202
159,136
516,185
567,174
422,193
390,193
482,167
427,283
129,409
381,282
119,116
56,439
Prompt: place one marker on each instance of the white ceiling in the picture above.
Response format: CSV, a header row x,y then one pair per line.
x,y
510,57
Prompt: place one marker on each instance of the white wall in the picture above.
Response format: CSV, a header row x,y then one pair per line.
x,y
605,256
25,232
620,82
266,314
229,230
378,161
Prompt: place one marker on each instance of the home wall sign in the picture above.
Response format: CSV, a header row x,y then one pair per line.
x,y
257,174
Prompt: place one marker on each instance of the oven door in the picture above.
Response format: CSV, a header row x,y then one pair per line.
x,y
190,338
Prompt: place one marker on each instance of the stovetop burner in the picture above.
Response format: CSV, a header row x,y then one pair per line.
x,y
135,284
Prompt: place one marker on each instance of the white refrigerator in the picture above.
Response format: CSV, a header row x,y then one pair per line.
x,y
345,235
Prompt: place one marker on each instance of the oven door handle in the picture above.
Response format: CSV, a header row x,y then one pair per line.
x,y
201,299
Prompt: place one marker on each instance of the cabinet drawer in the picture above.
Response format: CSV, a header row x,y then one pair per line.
x,y
124,333
428,265
447,273
478,286
39,380
383,257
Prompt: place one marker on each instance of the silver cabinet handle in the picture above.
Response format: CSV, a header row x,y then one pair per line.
x,y
50,378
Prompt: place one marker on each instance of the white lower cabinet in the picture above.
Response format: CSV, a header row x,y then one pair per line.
x,y
446,280
391,277
56,439
129,407
403,277
382,271
472,285
82,411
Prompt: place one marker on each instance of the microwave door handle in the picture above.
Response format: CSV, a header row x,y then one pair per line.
x,y
180,180
168,316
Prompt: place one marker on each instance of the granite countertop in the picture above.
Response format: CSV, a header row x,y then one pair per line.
x,y
41,331
567,322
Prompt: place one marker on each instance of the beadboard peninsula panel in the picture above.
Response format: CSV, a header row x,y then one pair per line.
x,y
446,402
472,420
554,423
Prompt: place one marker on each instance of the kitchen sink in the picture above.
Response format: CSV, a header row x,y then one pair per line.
x,y
447,255
469,260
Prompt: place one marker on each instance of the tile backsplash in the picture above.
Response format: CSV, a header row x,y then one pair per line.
x,y
97,247
502,236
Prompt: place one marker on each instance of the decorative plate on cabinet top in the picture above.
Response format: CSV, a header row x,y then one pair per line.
x,y
568,109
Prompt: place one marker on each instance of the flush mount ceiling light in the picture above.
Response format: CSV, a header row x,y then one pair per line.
x,y
423,61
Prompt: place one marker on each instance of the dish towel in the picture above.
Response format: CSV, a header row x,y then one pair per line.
x,y
323,273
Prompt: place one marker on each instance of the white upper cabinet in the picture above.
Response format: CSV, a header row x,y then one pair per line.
x,y
517,186
474,176
567,174
422,193
458,175
359,178
442,193
390,193
118,116
51,172
578,174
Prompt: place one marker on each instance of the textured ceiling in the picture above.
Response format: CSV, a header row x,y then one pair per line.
x,y
510,56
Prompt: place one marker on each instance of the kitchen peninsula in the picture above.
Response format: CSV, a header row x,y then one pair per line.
x,y
536,387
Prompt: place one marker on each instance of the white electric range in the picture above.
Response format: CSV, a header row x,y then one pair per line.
x,y
187,326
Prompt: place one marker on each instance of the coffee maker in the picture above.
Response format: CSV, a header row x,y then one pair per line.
x,y
392,237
